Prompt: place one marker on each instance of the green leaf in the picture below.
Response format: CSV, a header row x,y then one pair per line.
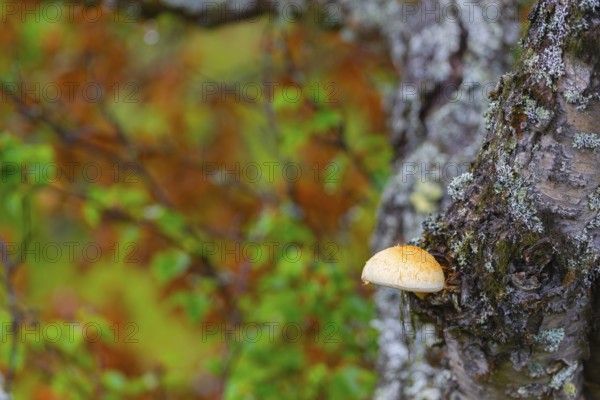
x,y
325,119
196,305
214,366
350,382
263,224
289,97
91,214
114,380
169,265
170,222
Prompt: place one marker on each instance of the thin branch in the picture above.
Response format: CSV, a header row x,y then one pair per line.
x,y
10,268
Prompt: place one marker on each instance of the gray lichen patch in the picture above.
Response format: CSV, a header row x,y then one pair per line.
x,y
577,98
486,310
548,65
594,200
456,188
563,376
462,248
535,369
433,225
594,205
489,267
489,116
532,390
535,114
589,5
550,339
594,223
510,183
584,140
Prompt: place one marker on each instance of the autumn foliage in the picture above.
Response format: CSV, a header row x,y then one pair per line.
x,y
185,212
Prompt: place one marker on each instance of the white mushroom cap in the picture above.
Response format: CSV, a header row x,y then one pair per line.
x,y
407,268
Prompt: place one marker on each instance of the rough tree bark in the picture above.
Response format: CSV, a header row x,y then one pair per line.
x,y
449,54
522,231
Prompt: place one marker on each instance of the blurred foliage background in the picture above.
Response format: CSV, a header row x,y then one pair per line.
x,y
185,212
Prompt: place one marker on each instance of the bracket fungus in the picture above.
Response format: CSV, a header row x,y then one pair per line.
x,y
408,268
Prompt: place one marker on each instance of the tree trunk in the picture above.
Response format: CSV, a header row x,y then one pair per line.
x,y
522,232
449,54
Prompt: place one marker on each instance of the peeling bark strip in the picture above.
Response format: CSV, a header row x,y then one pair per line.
x,y
524,236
